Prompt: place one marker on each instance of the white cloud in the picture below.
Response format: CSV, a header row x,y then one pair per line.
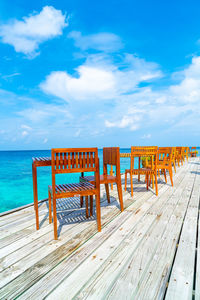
x,y
26,127
188,90
92,82
24,133
25,36
77,133
99,78
161,99
41,113
146,136
107,42
10,75
130,122
45,141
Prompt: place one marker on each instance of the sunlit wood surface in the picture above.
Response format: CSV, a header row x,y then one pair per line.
x,y
149,251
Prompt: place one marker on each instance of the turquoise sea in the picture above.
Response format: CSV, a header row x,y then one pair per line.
x,y
16,188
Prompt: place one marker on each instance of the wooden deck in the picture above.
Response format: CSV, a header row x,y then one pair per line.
x,y
150,251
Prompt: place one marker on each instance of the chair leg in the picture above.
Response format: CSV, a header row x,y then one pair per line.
x,y
156,183
152,181
107,192
165,175
147,177
98,211
34,170
50,214
91,205
86,205
131,184
125,181
55,219
171,175
81,201
119,189
174,166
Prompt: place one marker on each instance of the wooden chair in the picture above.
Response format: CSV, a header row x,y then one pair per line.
x,y
179,155
74,160
174,158
149,172
111,156
193,152
185,153
165,163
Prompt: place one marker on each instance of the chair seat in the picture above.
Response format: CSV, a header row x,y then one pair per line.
x,y
141,171
73,188
163,165
103,179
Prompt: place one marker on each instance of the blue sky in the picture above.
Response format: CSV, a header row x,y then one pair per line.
x,y
99,73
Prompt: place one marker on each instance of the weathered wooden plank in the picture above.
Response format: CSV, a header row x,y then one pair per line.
x,y
112,274
110,263
20,225
38,272
12,253
49,282
153,284
16,232
197,283
34,266
181,279
100,285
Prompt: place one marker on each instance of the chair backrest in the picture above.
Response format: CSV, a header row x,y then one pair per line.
x,y
74,160
185,151
173,153
166,153
144,151
111,156
180,151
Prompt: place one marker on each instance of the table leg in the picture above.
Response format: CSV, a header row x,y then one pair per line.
x,y
35,196
111,173
139,169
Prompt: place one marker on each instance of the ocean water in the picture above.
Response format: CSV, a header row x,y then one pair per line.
x,y
16,186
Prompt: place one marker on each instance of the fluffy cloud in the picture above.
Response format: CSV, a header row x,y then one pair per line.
x,y
107,42
43,114
92,82
99,78
188,90
24,133
128,121
25,36
23,126
146,136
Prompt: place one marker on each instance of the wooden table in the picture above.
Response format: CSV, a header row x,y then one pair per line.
x,y
46,162
38,162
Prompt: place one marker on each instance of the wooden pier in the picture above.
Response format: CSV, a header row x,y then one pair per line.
x,y
149,251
